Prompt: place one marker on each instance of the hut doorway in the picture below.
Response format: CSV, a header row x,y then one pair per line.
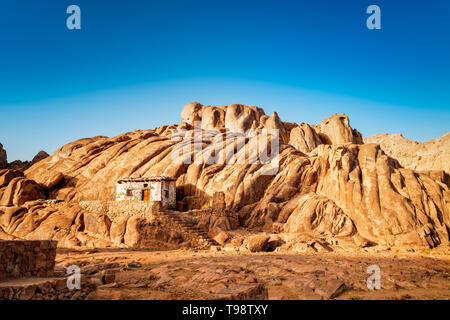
x,y
146,195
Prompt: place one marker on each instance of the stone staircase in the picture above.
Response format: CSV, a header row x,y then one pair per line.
x,y
188,225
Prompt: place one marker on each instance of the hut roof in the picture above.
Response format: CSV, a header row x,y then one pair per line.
x,y
146,179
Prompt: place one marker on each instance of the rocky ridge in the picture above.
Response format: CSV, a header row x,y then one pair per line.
x,y
19,164
420,156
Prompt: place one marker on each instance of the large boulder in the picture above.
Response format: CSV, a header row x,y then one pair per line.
x,y
336,130
213,118
118,229
257,242
47,179
191,113
97,225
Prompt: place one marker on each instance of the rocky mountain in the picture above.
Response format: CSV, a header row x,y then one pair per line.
x,y
328,184
421,156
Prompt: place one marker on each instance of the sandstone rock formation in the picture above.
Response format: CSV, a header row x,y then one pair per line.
x,y
420,156
336,130
19,191
327,185
6,176
73,226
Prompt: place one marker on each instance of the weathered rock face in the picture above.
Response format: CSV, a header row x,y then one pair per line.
x,y
21,190
7,175
3,158
387,203
327,184
304,138
430,155
320,216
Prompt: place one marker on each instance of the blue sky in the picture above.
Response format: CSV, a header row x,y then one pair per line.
x,y
133,65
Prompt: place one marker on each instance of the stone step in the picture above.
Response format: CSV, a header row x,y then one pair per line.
x,y
190,227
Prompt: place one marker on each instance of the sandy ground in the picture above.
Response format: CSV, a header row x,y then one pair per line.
x,y
196,274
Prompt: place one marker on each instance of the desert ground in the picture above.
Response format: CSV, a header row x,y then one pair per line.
x,y
207,274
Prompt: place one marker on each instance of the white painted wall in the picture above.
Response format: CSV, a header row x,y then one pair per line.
x,y
164,191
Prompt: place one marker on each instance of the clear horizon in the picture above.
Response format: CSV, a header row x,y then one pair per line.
x,y
134,66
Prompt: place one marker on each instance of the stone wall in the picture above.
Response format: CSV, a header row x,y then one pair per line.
x,y
45,289
116,209
27,258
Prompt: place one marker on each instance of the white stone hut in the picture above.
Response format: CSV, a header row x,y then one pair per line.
x,y
160,189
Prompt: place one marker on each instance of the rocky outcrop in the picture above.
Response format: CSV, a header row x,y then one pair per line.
x,y
18,164
3,158
23,165
432,155
388,204
39,156
325,182
333,130
304,138
336,130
